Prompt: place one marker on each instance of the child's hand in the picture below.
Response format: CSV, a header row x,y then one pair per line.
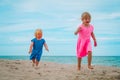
x,y
29,52
95,43
47,50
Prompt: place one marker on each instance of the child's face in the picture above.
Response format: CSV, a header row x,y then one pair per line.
x,y
86,20
38,35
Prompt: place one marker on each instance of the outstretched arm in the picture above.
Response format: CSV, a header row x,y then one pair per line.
x,y
46,47
93,37
78,29
30,49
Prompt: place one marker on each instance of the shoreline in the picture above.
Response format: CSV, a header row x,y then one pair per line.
x,y
96,60
23,70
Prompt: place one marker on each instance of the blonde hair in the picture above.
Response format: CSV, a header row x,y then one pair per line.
x,y
85,15
38,31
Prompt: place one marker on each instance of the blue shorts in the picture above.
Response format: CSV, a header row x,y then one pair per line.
x,y
36,56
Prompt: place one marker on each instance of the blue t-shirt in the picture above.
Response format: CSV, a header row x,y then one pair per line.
x,y
37,46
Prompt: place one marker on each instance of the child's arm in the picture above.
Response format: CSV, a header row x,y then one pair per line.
x,y
46,47
93,36
78,29
30,49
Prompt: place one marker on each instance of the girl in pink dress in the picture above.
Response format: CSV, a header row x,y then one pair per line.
x,y
84,47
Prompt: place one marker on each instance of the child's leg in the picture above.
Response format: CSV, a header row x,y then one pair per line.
x,y
37,62
33,60
89,60
79,63
38,56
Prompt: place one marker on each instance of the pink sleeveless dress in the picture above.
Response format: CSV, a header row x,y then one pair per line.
x,y
84,43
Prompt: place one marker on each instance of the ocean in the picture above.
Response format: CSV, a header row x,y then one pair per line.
x,y
97,60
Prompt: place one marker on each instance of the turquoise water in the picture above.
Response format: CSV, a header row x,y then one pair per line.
x,y
97,60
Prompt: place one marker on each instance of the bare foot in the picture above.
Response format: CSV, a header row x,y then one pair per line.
x,y
33,64
78,69
36,67
90,67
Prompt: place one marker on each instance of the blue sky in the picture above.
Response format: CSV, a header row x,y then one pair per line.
x,y
58,19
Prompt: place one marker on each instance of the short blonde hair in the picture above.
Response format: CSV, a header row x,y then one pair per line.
x,y
85,15
38,31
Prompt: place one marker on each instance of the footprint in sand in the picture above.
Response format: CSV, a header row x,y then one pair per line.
x,y
104,72
39,74
118,77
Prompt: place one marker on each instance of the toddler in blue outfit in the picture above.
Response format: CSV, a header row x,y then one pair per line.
x,y
36,47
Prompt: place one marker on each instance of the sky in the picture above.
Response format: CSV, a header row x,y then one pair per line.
x,y
58,19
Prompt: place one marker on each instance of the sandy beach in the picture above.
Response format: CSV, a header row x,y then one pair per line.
x,y
23,70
